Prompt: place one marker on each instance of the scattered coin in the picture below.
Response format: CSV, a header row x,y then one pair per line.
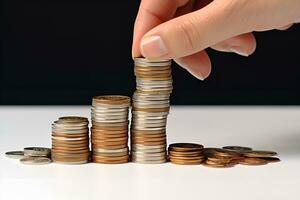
x,y
15,154
259,154
271,159
37,151
35,160
252,161
239,149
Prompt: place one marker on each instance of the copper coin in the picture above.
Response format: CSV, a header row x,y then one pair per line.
x,y
142,132
68,151
219,160
217,165
109,132
271,159
112,99
259,154
73,119
70,141
183,162
187,157
70,148
110,162
239,149
69,135
70,154
252,161
185,147
151,109
105,146
147,143
225,154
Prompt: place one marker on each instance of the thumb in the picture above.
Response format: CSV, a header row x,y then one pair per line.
x,y
195,31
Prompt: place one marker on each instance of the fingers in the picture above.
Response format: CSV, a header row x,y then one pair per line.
x,y
283,28
192,32
150,14
198,64
243,45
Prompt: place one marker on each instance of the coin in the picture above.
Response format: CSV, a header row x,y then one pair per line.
x,y
35,160
239,149
252,161
15,154
37,151
271,159
259,154
185,147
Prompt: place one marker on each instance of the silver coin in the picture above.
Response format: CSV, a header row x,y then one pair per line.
x,y
71,163
35,160
148,161
37,151
101,150
15,154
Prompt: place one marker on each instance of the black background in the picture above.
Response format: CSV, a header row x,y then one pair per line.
x,y
65,52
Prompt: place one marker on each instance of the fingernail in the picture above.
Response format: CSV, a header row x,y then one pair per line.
x,y
153,47
197,74
132,54
239,51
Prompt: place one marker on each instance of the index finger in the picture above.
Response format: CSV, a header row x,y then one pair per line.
x,y
152,13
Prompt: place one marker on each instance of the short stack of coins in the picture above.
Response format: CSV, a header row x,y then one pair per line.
x,y
150,108
221,158
109,132
70,140
186,153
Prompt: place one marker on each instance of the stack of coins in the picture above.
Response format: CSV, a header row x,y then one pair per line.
x,y
255,157
110,129
186,153
150,109
70,140
37,152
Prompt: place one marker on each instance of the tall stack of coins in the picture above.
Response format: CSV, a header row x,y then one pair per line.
x,y
150,109
70,140
110,129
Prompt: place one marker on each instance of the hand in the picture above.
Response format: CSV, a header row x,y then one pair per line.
x,y
182,29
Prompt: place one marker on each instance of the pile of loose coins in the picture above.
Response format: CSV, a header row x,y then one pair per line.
x,y
109,133
70,140
228,156
150,108
31,155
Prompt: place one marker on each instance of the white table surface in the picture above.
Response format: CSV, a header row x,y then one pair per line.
x,y
268,128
